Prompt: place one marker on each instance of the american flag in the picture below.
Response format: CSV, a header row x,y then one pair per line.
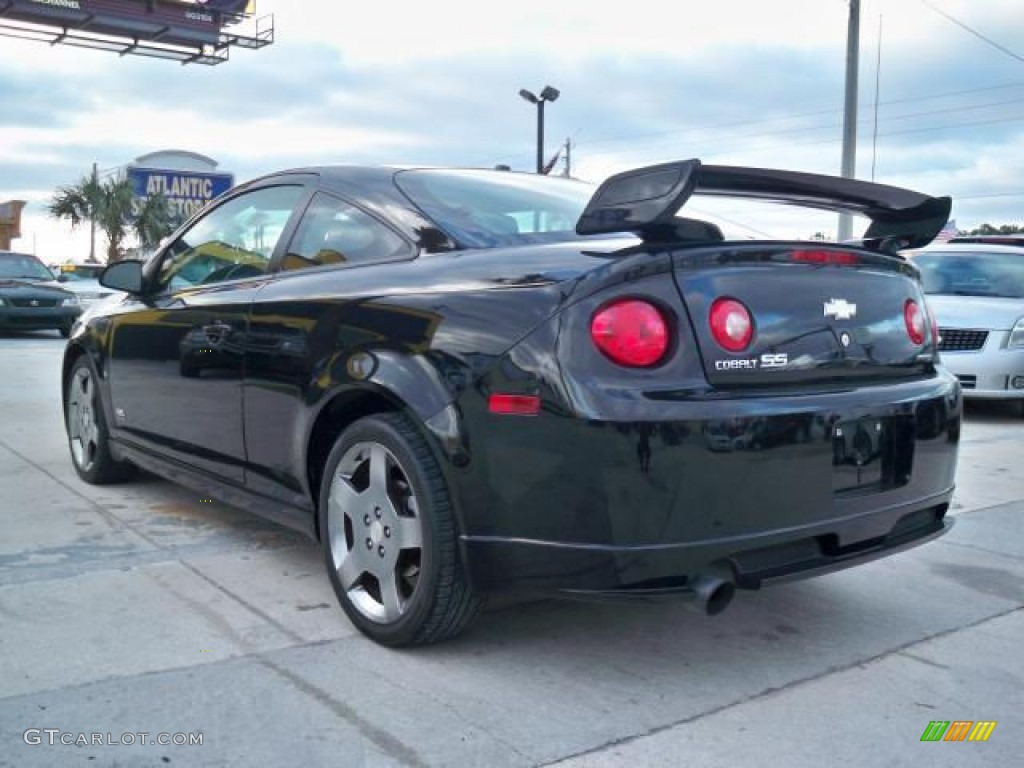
x,y
947,232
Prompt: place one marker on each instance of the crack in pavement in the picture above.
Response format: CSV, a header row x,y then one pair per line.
x,y
769,692
290,634
387,743
114,521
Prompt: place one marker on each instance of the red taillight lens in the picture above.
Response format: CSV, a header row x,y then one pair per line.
x,y
514,405
914,318
630,332
731,324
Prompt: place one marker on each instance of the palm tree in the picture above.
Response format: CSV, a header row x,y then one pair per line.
x,y
78,203
155,219
110,205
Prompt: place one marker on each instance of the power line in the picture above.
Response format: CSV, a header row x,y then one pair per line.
x,y
797,115
985,197
760,148
974,32
791,116
831,126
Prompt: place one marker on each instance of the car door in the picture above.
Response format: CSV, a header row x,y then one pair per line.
x,y
299,323
176,357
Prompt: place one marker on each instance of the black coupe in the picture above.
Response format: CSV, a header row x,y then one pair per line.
x,y
464,381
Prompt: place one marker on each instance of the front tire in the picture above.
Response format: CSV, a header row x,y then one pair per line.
x,y
389,535
88,438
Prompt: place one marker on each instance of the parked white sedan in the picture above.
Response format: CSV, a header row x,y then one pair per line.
x,y
977,294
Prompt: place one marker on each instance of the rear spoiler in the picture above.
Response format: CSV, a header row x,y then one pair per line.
x,y
646,200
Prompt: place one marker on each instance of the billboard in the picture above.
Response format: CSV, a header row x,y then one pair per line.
x,y
187,31
186,191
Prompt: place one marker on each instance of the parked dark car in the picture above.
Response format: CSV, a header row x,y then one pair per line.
x,y
31,298
465,381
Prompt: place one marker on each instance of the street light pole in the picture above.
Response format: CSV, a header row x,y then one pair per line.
x,y
849,169
548,94
540,135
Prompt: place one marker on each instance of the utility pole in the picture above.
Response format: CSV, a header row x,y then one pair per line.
x,y
92,219
568,158
850,111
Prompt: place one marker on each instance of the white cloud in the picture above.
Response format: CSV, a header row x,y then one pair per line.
x,y
736,81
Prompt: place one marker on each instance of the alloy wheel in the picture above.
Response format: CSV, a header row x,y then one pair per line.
x,y
82,427
375,532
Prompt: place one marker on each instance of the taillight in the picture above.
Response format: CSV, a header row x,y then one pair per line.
x,y
933,324
630,332
914,318
731,324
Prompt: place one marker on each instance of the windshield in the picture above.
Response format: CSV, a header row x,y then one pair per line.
x,y
483,209
23,265
973,274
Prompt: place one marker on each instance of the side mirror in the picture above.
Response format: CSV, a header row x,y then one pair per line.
x,y
62,278
123,276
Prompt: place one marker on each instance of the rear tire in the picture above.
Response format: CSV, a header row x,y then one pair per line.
x,y
389,535
86,426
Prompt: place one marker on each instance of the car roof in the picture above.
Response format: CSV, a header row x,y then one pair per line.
x,y
992,239
968,248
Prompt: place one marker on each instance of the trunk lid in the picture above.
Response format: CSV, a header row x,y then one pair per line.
x,y
830,315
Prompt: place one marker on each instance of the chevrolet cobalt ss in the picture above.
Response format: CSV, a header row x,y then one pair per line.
x,y
465,381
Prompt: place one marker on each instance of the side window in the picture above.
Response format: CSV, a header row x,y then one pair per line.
x,y
335,232
236,239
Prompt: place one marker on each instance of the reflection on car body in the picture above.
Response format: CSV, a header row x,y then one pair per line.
x,y
463,381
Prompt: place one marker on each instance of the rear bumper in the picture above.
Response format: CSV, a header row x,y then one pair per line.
x,y
748,561
756,489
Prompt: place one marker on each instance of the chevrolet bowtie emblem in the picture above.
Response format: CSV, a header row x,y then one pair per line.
x,y
840,309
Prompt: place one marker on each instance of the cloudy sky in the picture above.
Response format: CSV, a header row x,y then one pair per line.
x,y
743,82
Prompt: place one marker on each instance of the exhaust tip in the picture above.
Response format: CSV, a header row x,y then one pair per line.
x,y
713,594
719,598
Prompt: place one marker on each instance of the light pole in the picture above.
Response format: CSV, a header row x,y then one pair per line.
x,y
548,94
849,168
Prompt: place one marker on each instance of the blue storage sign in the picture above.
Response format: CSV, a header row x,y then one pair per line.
x,y
186,191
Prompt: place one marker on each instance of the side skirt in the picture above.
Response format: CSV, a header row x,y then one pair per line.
x,y
297,518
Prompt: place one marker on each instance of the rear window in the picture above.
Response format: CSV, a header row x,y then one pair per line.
x,y
972,273
484,209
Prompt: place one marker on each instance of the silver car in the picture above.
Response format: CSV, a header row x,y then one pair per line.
x,y
83,281
976,291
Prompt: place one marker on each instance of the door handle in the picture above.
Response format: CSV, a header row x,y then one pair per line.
x,y
216,333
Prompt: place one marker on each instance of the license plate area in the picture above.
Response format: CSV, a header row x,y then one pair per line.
x,y
872,454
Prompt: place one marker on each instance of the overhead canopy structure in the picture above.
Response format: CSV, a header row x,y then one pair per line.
x,y
10,222
189,31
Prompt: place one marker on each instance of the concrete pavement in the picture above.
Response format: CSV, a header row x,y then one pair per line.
x,y
142,608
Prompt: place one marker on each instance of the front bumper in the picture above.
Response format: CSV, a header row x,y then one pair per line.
x,y
38,318
991,373
803,485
